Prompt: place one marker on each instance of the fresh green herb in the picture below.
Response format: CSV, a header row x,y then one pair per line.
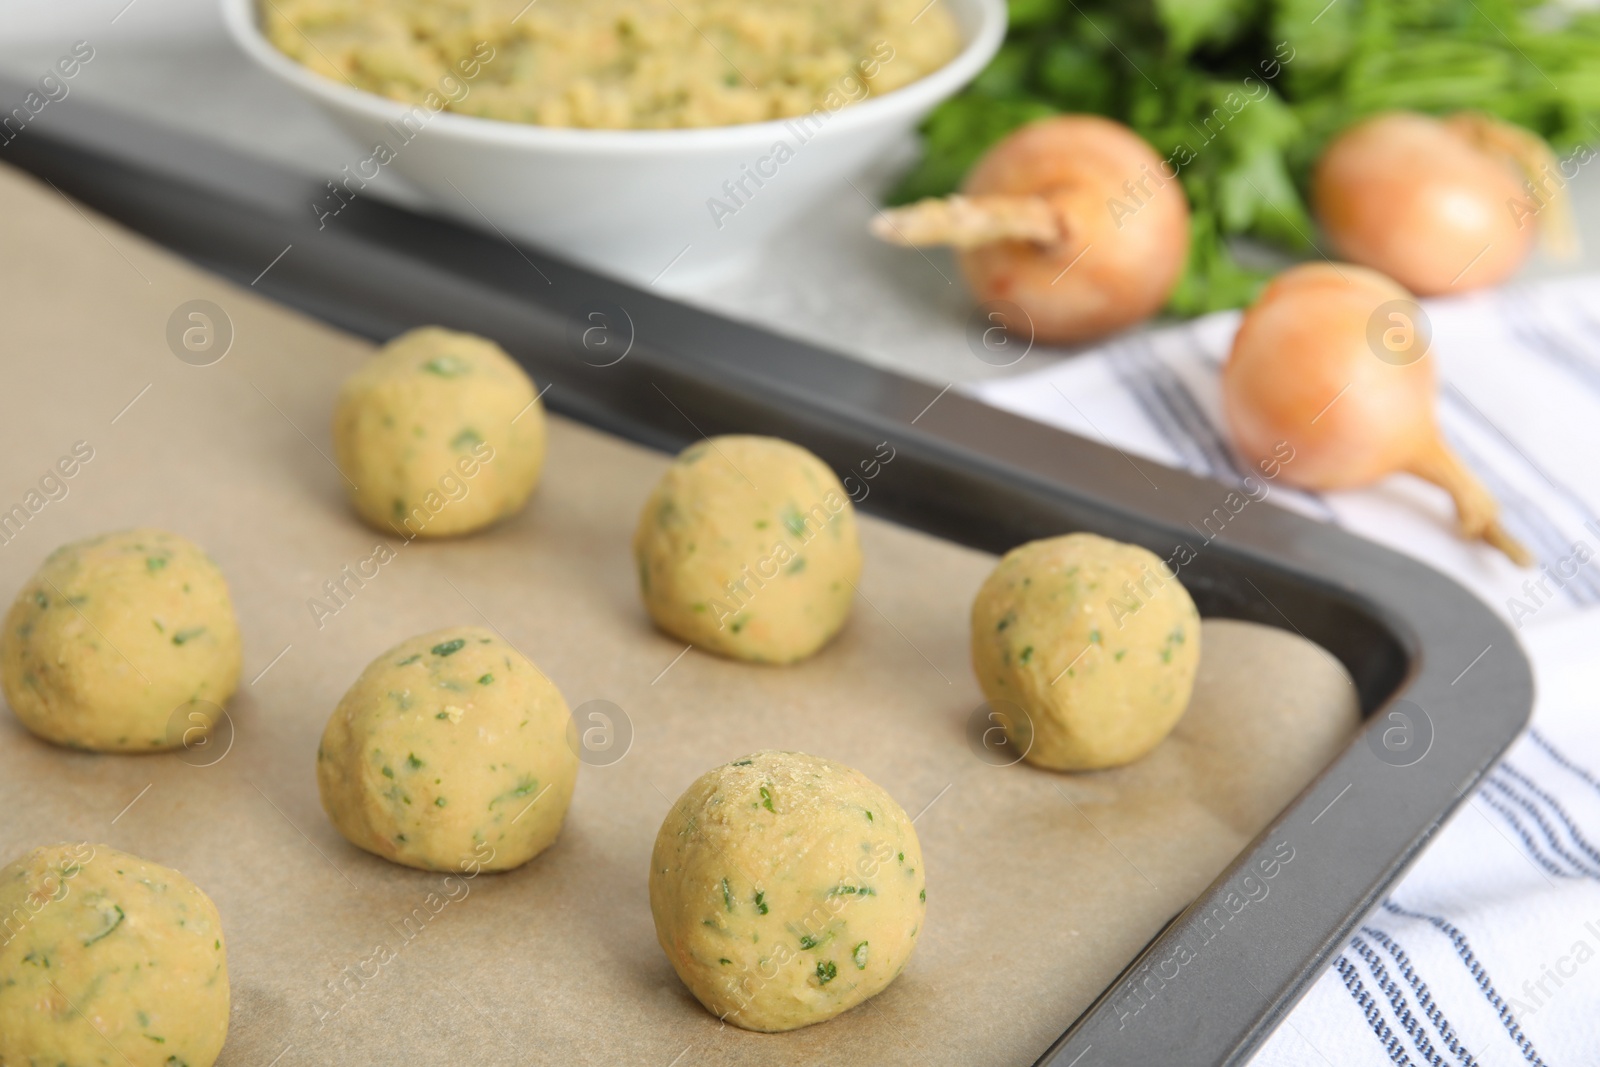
x,y
724,959
466,439
923,896
155,563
409,660
826,972
761,901
741,763
40,599
412,761
797,566
448,648
766,800
859,956
447,366
739,623
869,816
527,785
1239,97
793,521
902,857
185,636
1026,654
727,895
485,679
388,773
111,924
852,891
438,802
1005,620
1117,658
442,715
807,941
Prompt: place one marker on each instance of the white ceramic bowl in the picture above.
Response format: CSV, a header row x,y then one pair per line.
x,y
633,202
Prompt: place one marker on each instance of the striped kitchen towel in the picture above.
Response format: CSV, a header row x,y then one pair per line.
x,y
1488,952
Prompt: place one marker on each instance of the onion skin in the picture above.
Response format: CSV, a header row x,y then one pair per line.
x,y
1080,164
1303,372
1413,197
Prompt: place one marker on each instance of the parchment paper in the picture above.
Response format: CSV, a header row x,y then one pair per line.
x,y
1040,886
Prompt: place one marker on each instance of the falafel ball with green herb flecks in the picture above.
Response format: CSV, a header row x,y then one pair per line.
x,y
125,642
1096,641
108,959
785,889
449,753
440,433
748,548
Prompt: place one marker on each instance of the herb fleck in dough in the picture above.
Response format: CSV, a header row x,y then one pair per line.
x,y
121,643
1096,640
786,889
100,947
440,433
450,749
748,548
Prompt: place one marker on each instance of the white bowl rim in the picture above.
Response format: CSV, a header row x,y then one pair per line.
x,y
240,18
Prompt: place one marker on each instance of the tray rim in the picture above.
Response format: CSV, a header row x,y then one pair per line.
x,y
232,215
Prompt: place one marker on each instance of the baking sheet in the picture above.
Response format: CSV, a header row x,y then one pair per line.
x,y
1041,886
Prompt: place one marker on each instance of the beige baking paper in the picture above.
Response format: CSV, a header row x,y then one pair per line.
x,y
1040,886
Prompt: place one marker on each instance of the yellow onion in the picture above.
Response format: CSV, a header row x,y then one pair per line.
x,y
1440,205
1305,372
1073,219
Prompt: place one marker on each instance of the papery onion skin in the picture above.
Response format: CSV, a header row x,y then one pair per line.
x,y
1408,195
1123,215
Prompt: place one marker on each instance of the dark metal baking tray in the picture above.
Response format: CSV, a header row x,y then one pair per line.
x,y
1214,983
